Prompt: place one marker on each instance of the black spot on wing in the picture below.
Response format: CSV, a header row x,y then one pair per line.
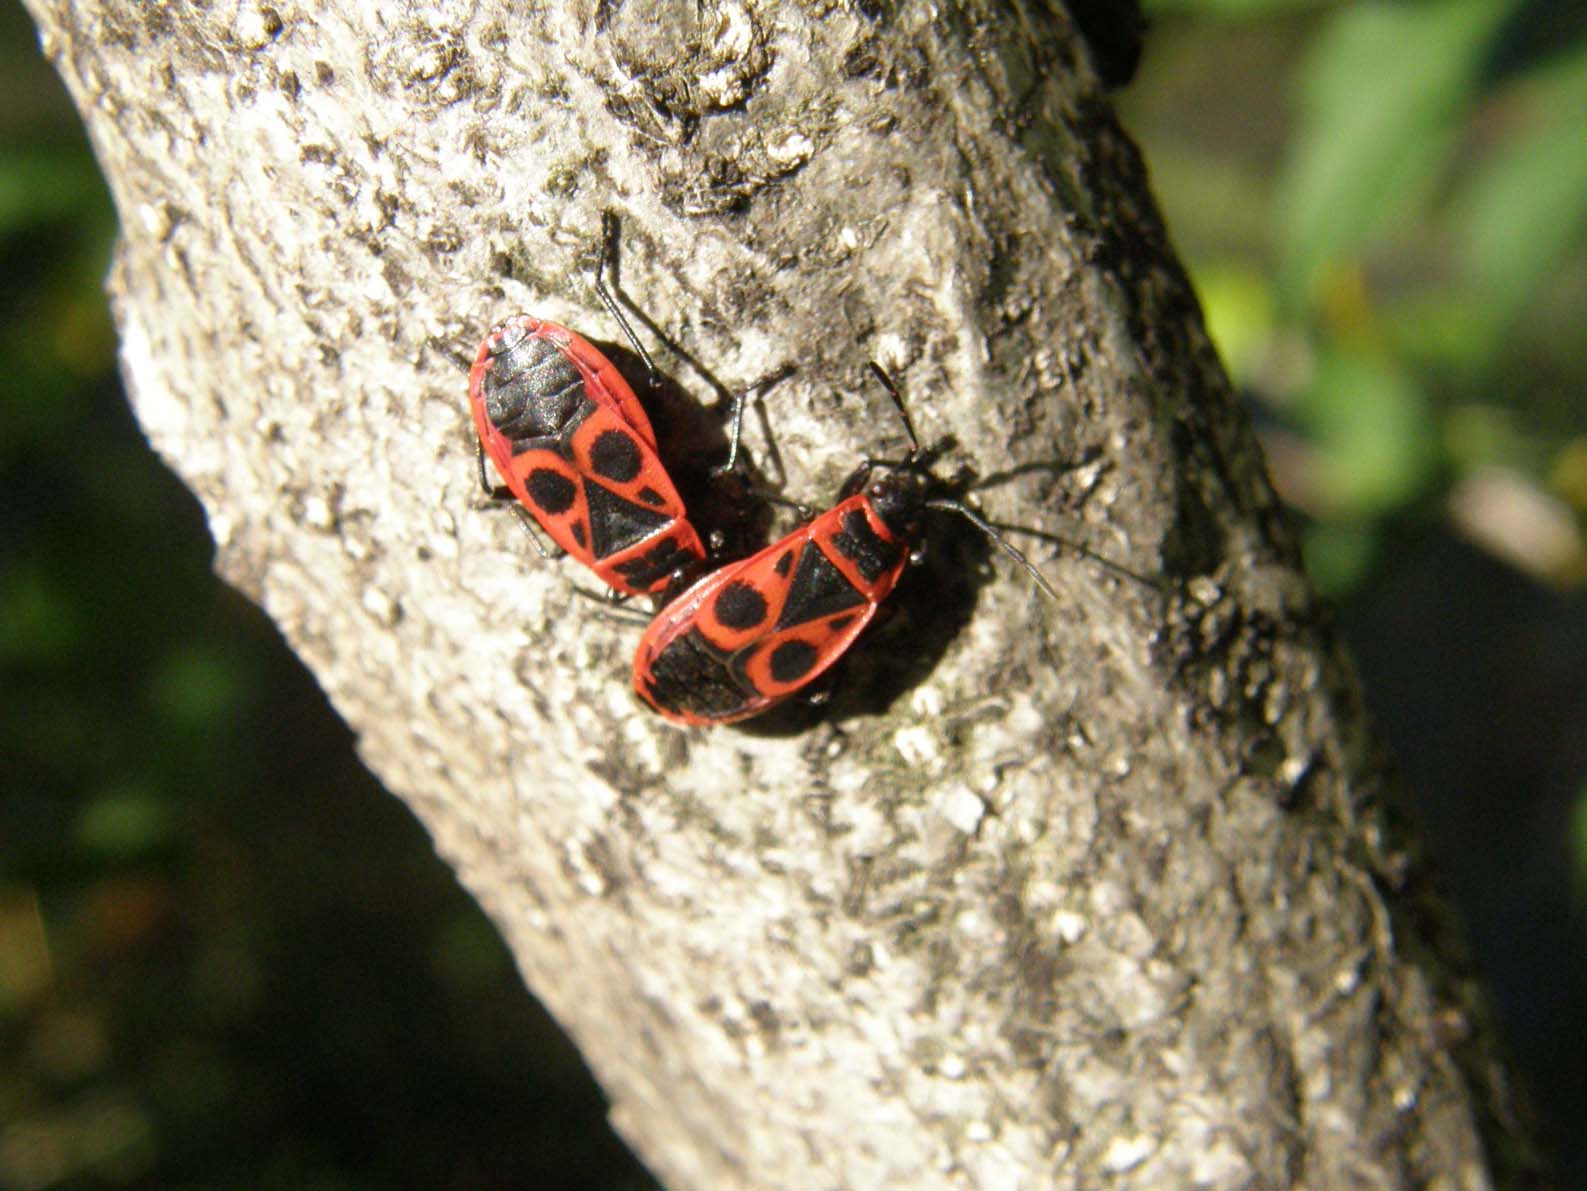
x,y
552,492
739,605
615,456
792,660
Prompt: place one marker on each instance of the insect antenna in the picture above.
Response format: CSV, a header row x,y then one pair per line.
x,y
1085,551
981,523
898,403
1002,543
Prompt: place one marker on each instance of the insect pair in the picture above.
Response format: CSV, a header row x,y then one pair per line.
x,y
575,447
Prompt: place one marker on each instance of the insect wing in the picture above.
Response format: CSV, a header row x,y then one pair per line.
x,y
750,635
603,383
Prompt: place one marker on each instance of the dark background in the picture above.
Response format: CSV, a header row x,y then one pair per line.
x,y
228,958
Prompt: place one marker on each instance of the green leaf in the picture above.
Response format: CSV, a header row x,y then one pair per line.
x,y
198,686
1483,434
40,620
1374,436
1381,96
124,821
467,953
1525,209
1238,306
39,184
1338,556
1442,329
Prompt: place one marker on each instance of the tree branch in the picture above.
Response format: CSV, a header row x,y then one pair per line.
x,y
1047,896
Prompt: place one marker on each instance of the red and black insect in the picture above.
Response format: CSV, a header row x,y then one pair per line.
x,y
574,445
752,634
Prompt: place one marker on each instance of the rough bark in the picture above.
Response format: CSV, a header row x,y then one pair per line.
x,y
1047,896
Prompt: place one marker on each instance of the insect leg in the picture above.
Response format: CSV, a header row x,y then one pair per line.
x,y
530,528
608,265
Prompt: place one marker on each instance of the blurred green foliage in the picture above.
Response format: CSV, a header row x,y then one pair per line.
x,y
1392,255
1384,208
227,958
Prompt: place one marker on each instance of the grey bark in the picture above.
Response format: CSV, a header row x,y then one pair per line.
x,y
1099,894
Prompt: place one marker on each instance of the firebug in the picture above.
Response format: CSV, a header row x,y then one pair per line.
x,y
752,634
574,445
